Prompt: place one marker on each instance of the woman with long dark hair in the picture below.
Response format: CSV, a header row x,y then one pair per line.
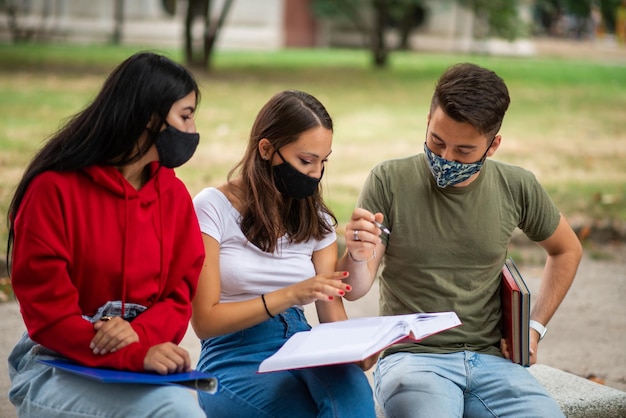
x,y
105,249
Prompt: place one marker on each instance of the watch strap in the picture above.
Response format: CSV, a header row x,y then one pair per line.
x,y
539,328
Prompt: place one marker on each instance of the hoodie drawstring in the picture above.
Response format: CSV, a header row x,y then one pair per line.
x,y
162,280
124,247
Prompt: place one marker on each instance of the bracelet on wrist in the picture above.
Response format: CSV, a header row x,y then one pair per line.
x,y
265,306
362,261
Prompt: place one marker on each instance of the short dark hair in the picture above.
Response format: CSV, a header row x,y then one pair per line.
x,y
472,94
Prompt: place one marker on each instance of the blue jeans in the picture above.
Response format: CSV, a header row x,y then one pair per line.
x,y
330,391
38,390
463,384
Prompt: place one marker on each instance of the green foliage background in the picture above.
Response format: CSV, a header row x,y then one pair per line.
x,y
565,123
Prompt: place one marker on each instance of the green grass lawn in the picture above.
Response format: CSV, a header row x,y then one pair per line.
x,y
566,123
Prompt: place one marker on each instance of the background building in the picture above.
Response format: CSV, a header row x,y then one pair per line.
x,y
250,24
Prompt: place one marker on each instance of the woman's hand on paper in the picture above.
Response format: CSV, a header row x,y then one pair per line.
x,y
112,335
320,287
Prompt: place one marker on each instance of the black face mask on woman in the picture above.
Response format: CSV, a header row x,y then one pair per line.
x,y
175,147
291,182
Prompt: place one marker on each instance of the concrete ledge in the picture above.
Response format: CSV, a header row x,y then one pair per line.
x,y
577,397
580,397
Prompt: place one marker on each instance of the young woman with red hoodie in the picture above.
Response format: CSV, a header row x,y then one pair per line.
x,y
105,249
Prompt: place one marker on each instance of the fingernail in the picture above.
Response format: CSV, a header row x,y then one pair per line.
x,y
345,274
341,293
348,288
91,346
96,350
330,298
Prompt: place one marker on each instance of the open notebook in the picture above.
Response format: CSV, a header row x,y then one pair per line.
x,y
355,339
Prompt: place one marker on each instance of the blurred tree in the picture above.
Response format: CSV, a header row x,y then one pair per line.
x,y
200,9
378,43
372,18
609,13
579,11
497,18
118,18
547,14
169,6
15,10
406,16
551,13
347,13
577,7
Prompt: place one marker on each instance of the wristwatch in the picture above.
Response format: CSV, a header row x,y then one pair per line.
x,y
539,328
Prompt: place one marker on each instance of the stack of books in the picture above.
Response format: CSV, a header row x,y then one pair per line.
x,y
515,313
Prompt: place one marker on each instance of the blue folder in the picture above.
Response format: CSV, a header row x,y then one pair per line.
x,y
194,379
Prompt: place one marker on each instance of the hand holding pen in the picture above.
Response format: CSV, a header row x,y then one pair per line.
x,y
363,234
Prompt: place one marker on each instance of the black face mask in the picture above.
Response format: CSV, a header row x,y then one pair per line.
x,y
291,182
175,147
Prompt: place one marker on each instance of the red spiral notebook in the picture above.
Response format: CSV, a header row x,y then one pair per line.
x,y
515,313
194,379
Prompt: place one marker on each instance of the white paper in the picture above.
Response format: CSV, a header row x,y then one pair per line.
x,y
354,339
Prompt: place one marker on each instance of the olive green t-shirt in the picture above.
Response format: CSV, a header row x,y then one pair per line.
x,y
447,246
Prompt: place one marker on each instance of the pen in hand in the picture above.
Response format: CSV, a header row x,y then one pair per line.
x,y
382,228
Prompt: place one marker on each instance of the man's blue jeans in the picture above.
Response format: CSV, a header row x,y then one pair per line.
x,y
463,384
330,391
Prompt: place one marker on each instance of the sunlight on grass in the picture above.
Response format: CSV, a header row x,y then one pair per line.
x,y
566,121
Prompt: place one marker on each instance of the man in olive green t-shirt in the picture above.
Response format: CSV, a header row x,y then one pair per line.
x,y
452,214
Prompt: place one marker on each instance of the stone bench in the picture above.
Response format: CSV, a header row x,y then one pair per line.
x,y
577,397
580,397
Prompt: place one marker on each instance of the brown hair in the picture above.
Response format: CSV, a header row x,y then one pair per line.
x,y
472,94
266,213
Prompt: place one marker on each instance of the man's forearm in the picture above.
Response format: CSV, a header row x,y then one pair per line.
x,y
557,278
361,275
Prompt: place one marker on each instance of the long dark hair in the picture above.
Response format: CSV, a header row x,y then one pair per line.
x,y
137,94
266,213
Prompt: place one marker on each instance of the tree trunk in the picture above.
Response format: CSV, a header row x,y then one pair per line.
x,y
378,44
118,16
202,9
188,34
195,8
211,32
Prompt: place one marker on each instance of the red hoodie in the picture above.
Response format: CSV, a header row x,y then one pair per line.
x,y
87,237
